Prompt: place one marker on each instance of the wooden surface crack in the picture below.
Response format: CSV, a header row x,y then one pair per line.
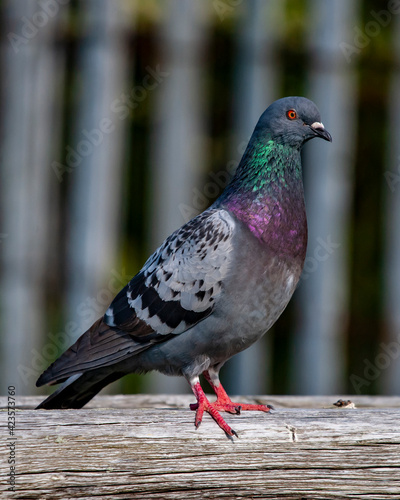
x,y
292,430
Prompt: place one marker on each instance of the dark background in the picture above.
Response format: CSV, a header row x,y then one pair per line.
x,y
65,233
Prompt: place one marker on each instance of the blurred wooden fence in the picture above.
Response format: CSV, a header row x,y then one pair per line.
x,y
69,93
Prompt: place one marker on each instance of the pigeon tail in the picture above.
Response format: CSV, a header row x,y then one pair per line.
x,y
100,346
94,361
79,389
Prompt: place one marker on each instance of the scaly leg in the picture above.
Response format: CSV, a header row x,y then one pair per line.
x,y
204,405
223,402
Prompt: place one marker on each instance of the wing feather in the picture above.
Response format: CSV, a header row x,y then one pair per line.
x,y
179,284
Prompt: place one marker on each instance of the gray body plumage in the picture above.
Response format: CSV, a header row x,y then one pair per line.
x,y
256,288
217,284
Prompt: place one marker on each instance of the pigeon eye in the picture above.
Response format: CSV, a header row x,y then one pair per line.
x,y
291,114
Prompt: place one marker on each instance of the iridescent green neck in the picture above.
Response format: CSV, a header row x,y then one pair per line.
x,y
266,170
266,194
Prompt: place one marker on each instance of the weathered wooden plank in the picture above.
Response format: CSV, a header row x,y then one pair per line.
x,y
183,401
128,451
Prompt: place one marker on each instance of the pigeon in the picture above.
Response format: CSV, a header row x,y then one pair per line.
x,y
214,286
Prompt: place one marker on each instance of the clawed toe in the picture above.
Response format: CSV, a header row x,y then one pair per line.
x,y
209,408
249,407
223,403
233,408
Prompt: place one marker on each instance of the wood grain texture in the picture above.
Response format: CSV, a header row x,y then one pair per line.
x,y
146,447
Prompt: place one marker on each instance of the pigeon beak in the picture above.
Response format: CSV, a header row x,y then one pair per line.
x,y
319,131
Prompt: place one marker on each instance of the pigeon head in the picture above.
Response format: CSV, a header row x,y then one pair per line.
x,y
292,121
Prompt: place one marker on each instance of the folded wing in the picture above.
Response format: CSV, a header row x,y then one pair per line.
x,y
176,288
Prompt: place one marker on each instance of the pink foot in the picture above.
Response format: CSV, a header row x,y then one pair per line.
x,y
223,403
203,405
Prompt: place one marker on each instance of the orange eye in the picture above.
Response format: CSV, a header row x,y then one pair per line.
x,y
291,114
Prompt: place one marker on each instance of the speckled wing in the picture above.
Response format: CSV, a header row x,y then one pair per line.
x,y
179,283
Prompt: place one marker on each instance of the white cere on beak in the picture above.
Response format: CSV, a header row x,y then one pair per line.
x,y
317,125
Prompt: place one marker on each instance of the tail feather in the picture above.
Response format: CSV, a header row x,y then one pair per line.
x,y
100,346
79,389
94,361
